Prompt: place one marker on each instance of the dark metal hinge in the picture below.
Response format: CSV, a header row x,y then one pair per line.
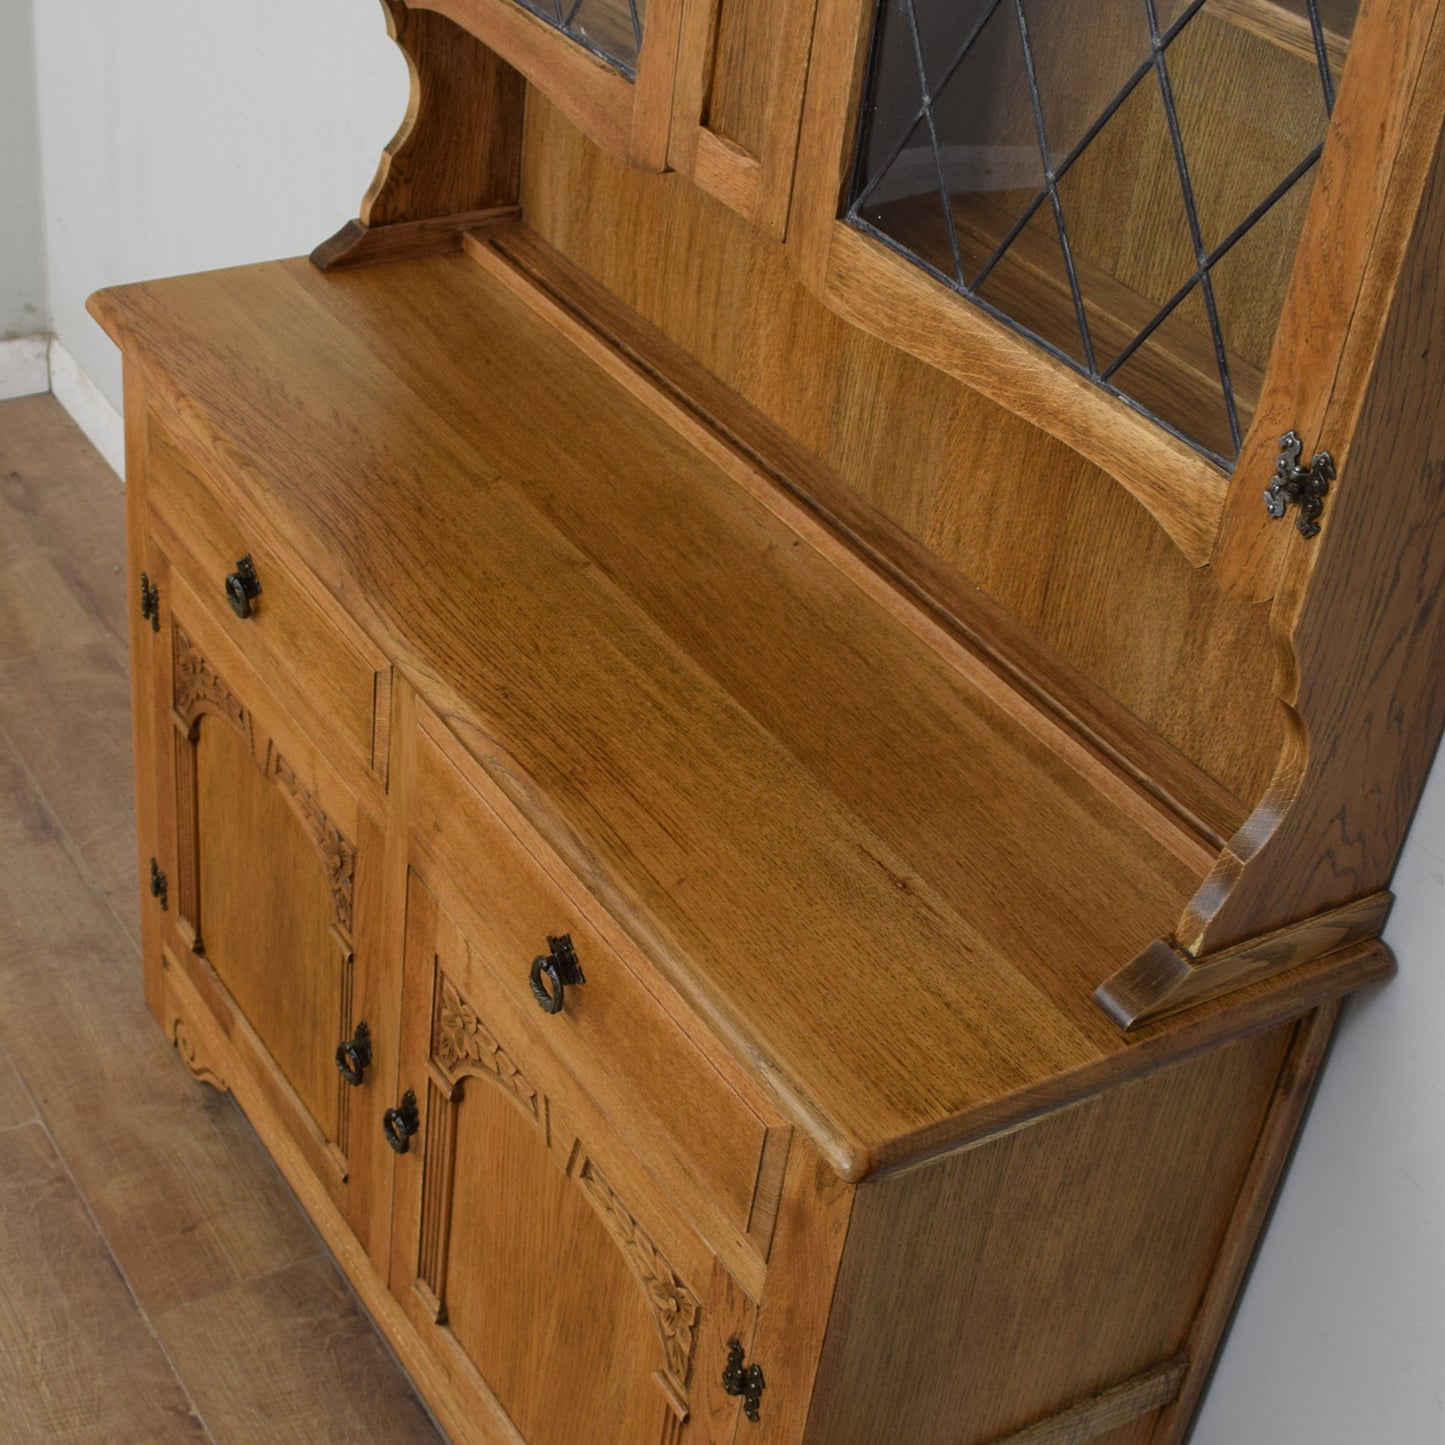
x,y
1304,487
150,602
158,885
748,1383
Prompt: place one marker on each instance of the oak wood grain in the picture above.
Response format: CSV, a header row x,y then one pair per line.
x,y
314,665
1374,169
630,119
455,157
518,1191
1361,615
1163,979
16,1105
611,1030
1292,1094
612,671
1030,666
358,245
1106,1411
738,99
1095,1209
812,1229
1014,514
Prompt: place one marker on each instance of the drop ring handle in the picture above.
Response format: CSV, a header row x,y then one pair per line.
x,y
553,971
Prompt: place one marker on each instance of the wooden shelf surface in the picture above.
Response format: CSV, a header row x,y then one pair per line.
x,y
887,880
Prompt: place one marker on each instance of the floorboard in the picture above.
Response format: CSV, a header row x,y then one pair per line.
x,y
16,1105
302,1331
158,1280
77,1361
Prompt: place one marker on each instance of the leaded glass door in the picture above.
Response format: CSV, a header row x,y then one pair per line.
x,y
1123,181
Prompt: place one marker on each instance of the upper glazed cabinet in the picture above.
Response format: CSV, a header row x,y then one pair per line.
x,y
713,88
1143,225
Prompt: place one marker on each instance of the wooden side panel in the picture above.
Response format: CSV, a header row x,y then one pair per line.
x,y
148,658
1020,516
456,155
1112,1212
1362,614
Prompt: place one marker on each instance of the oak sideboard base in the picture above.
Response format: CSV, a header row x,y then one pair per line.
x,y
773,852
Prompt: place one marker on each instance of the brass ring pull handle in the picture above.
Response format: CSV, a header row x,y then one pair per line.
x,y
353,1055
243,587
400,1123
559,968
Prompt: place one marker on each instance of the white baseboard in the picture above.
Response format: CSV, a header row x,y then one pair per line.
x,y
24,367
88,406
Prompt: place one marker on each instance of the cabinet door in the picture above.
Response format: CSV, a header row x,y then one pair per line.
x,y
564,1295
257,853
1092,212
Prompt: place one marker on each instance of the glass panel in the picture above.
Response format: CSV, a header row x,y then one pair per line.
x,y
610,29
1124,180
1174,376
906,203
1030,284
1126,274
893,113
1240,138
1074,96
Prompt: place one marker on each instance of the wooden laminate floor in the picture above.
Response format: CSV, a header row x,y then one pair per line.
x,y
158,1281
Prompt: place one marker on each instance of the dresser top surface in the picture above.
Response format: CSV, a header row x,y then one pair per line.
x,y
887,881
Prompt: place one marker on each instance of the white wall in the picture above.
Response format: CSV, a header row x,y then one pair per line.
x,y
22,272
1340,1336
178,135
181,136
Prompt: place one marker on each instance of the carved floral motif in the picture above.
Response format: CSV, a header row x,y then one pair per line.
x,y
675,1308
196,684
461,1044
338,856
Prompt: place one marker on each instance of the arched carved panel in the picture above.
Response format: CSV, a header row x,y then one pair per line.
x,y
676,1310
462,1045
338,853
197,687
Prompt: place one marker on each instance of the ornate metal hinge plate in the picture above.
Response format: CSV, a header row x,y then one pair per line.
x,y
158,885
1304,487
748,1383
150,602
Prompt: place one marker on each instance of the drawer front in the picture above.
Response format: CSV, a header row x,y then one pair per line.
x,y
613,1034
287,635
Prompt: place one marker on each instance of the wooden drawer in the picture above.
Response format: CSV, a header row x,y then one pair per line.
x,y
615,1036
313,667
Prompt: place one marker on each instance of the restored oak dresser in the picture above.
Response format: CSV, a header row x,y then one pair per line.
x,y
773,703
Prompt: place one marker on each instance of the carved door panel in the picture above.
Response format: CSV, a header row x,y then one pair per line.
x,y
531,1241
257,838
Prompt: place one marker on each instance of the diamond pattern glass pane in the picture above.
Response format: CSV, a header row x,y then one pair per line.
x,y
610,29
1122,180
1127,274
1029,284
